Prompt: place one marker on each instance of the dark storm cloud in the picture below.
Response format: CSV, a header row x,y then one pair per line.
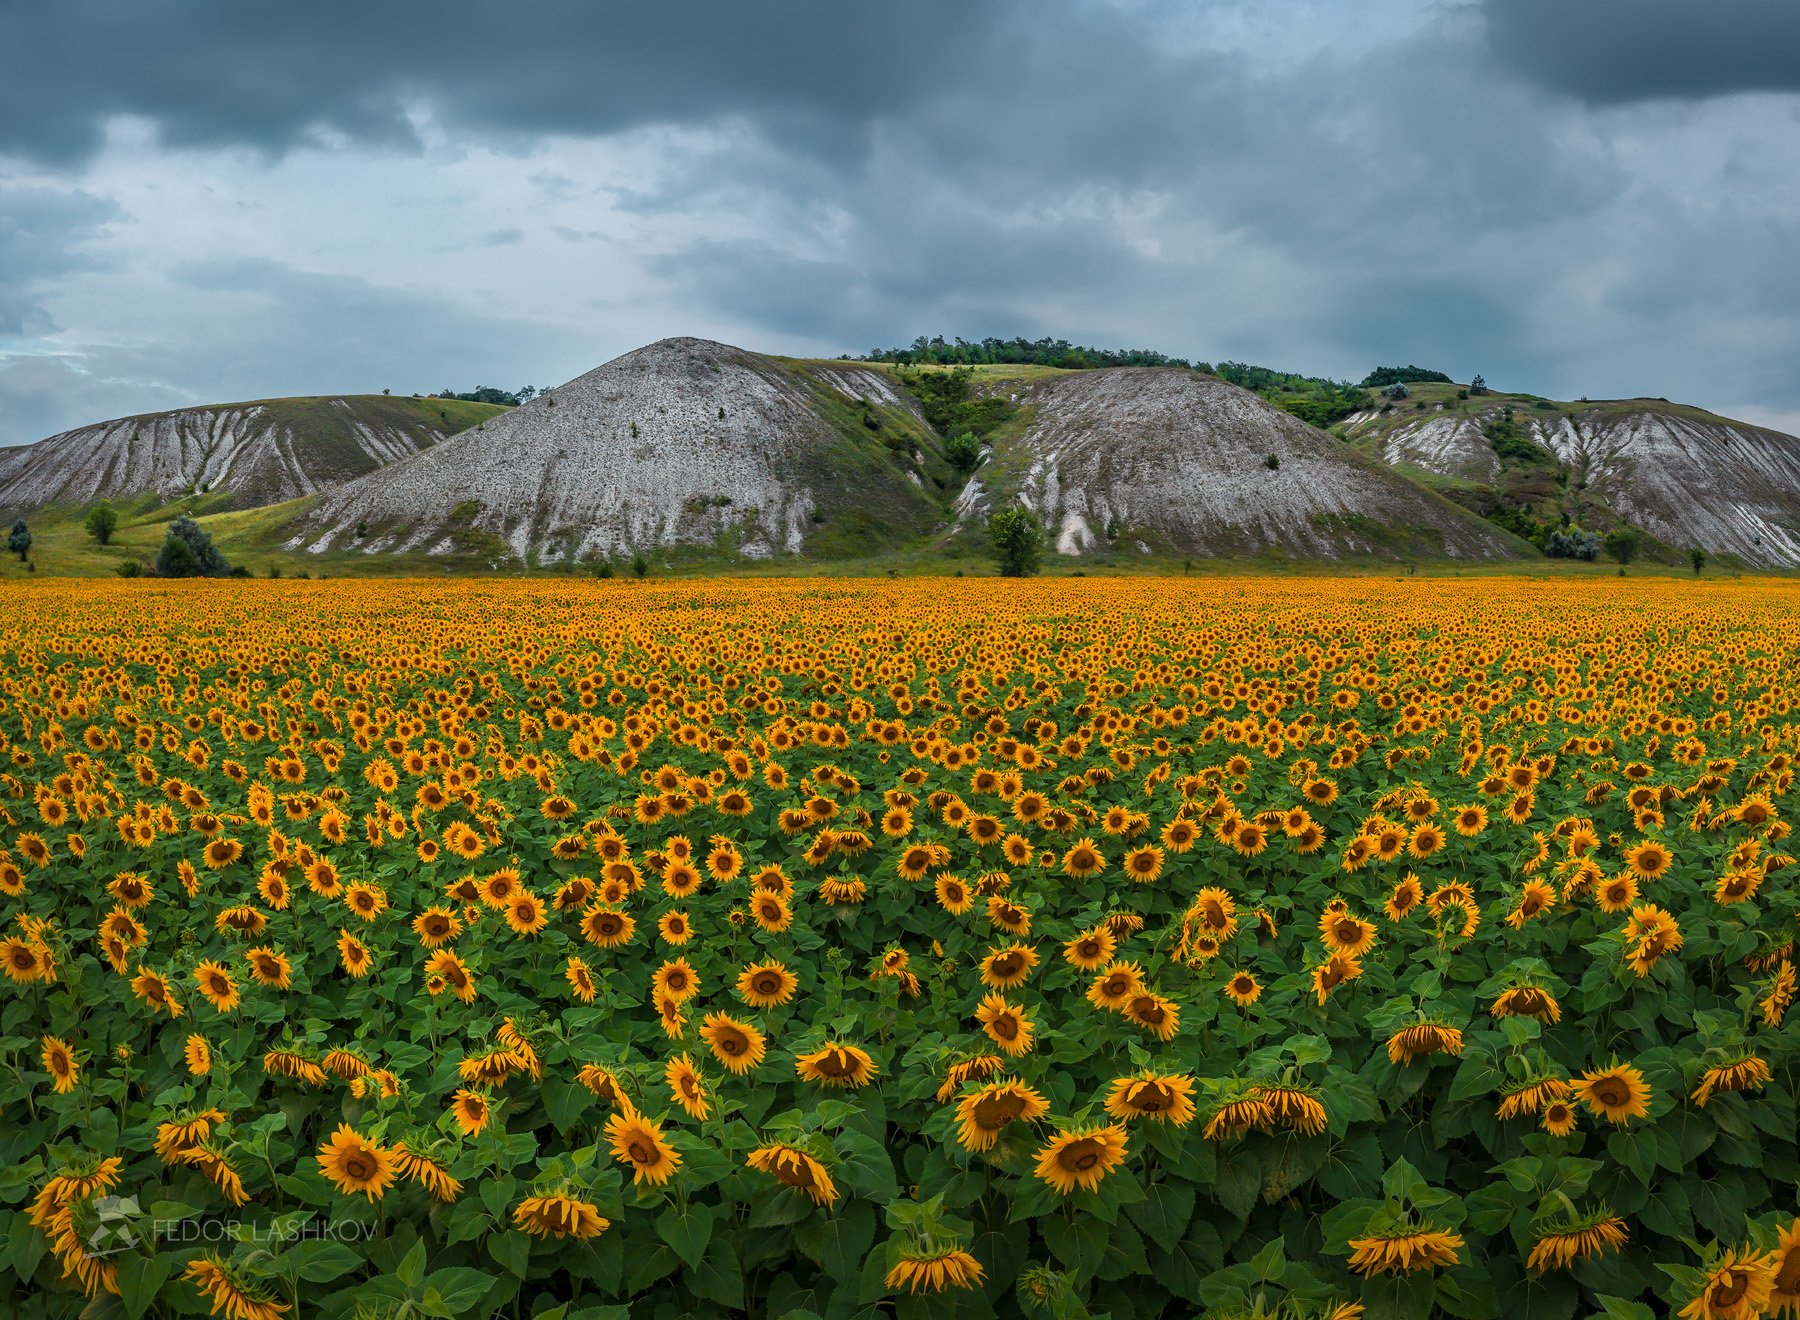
x,y
270,76
1610,51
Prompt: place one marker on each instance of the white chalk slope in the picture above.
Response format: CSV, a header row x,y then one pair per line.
x,y
260,453
1686,477
683,442
1179,461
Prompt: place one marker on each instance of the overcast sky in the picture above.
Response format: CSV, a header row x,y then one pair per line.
x,y
207,200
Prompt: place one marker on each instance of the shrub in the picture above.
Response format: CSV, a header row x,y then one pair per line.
x,y
1017,539
188,551
102,521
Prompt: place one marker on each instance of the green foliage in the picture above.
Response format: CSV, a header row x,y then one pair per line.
x,y
1017,539
950,404
963,451
1697,557
1510,443
1315,400
19,540
1623,543
188,551
488,394
1408,375
129,568
101,522
937,351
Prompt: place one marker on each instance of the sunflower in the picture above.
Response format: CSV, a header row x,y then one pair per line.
x,y
197,1054
1404,1251
607,928
984,1114
269,966
216,986
428,1173
153,989
676,980
1648,860
1573,1239
1618,1094
792,1167
1233,1118
1532,1097
836,1065
1007,1025
771,912
1090,949
1344,933
59,1062
23,961
674,928
638,1143
525,913
559,1217
1406,896
1083,859
1003,969
952,894
1163,1097
228,1293
1784,1297
1160,1017
1558,1118
356,1164
737,1045
933,1270
1739,1287
1116,987
766,984
471,1111
1243,989
1079,1158
354,955
1144,864
450,973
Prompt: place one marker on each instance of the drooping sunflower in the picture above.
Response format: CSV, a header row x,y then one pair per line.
x,y
229,1294
1079,1158
560,1216
638,1143
1161,1097
792,1167
922,1269
1404,1251
1531,1097
1575,1238
1527,1001
1296,1108
1422,1039
837,1064
1748,1073
356,1164
1618,1094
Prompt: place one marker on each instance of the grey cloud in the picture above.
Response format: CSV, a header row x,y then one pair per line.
x,y
41,230
215,72
1612,51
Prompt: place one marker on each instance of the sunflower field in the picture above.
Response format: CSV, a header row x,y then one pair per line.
x,y
817,949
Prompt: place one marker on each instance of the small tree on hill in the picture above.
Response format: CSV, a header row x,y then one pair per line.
x,y
188,551
1478,385
1697,557
19,540
964,452
1622,543
102,522
1017,540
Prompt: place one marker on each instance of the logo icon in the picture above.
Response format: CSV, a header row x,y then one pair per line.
x,y
112,1231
